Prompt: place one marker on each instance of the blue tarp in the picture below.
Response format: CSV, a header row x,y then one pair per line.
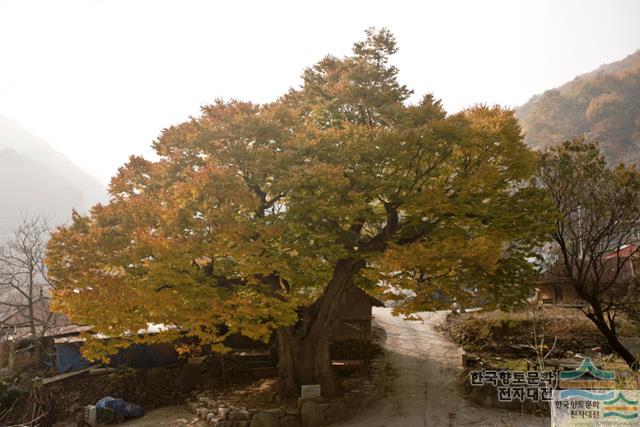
x,y
69,358
119,407
145,356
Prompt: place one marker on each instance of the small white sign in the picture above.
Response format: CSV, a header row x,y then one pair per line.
x,y
90,416
310,391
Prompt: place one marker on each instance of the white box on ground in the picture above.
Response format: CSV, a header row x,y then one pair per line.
x,y
90,415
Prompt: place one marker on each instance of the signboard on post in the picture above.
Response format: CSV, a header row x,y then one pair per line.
x,y
310,391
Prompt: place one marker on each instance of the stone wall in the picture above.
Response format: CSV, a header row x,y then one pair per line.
x,y
150,388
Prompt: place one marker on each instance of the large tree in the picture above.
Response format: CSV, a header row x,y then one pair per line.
x,y
252,212
596,232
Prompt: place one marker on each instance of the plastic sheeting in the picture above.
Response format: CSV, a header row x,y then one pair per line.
x,y
69,358
119,407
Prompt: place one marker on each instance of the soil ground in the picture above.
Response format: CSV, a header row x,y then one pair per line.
x,y
169,416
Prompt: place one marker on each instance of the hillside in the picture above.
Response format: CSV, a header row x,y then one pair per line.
x,y
602,105
35,179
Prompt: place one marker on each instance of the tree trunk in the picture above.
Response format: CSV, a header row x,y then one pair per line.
x,y
303,351
304,360
30,303
612,338
287,381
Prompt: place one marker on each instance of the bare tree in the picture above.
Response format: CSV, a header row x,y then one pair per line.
x,y
599,212
24,281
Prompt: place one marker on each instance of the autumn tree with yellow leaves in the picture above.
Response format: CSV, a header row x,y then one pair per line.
x,y
252,212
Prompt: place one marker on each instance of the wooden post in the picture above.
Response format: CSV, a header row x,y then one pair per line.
x,y
12,356
4,355
367,329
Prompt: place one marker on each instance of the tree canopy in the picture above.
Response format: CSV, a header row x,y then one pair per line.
x,y
253,211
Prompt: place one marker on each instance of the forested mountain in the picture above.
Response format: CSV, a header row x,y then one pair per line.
x,y
35,179
602,105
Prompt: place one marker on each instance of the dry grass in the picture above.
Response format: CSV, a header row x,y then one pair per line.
x,y
628,380
496,329
504,339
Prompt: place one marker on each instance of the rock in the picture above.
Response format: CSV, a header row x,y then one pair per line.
x,y
351,383
289,421
277,412
354,398
265,419
224,412
239,415
243,423
322,407
311,415
336,411
302,400
223,423
292,410
470,360
213,417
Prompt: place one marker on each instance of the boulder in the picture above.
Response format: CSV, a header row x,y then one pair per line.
x,y
354,398
224,412
289,421
311,415
192,407
239,415
265,419
292,410
277,412
336,411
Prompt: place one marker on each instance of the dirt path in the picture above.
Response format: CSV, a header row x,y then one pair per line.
x,y
422,388
168,416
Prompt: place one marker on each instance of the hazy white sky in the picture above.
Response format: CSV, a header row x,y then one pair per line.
x,y
100,79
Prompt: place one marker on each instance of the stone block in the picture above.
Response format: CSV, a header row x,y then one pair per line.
x,y
336,411
239,415
265,419
311,415
277,412
289,421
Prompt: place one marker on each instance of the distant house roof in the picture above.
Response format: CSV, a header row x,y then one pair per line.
x,y
15,321
557,273
624,251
